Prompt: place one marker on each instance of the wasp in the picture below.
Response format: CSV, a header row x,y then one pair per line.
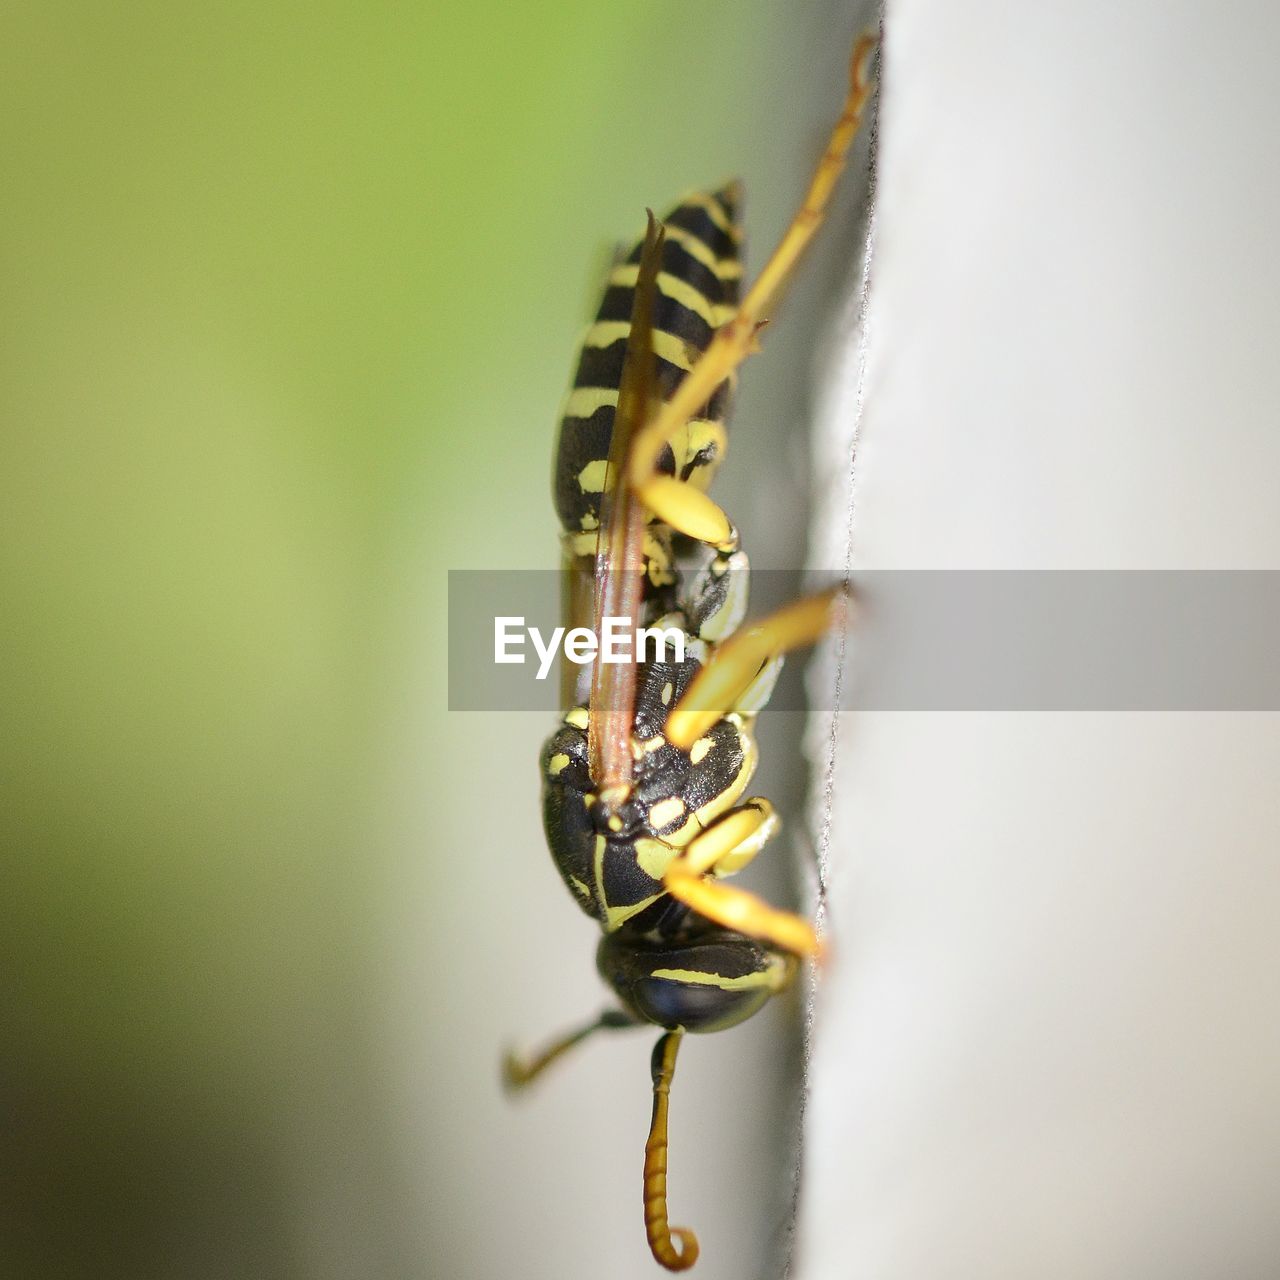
x,y
644,782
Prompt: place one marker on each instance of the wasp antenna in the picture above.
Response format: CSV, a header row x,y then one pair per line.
x,y
662,1236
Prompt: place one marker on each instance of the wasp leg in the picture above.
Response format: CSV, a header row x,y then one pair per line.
x,y
686,509
518,1071
656,1225
723,848
730,842
738,674
680,505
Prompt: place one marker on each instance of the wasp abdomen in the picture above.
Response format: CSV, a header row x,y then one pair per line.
x,y
706,983
697,291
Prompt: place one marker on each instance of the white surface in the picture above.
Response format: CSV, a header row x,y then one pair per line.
x,y
1046,1044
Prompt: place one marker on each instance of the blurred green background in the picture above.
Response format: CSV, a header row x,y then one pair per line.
x,y
289,295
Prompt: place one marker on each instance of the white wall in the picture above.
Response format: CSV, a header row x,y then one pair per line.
x,y
1046,1044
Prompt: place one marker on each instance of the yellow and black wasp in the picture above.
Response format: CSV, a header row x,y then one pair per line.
x,y
644,782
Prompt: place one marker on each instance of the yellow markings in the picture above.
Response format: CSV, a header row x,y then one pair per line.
x,y
597,870
665,812
700,434
557,764
677,290
674,350
658,554
604,333
641,749
733,792
582,402
653,856
592,477
615,823
744,982
724,268
579,887
698,752
667,690
628,273
715,211
683,834
728,617
577,717
614,917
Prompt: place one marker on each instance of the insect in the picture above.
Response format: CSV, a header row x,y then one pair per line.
x,y
644,782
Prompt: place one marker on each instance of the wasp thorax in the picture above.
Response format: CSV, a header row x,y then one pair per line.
x,y
616,813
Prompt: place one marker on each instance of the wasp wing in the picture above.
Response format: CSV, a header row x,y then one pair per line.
x,y
619,566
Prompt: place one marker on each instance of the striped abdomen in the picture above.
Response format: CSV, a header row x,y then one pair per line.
x,y
697,293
